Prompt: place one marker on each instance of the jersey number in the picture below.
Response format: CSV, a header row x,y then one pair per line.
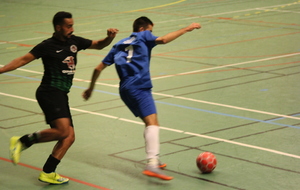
x,y
130,53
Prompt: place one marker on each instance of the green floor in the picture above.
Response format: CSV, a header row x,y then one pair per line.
x,y
231,88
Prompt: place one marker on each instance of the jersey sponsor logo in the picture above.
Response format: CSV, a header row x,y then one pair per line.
x,y
58,51
71,65
73,48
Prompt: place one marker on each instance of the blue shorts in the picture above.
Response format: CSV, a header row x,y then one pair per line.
x,y
139,101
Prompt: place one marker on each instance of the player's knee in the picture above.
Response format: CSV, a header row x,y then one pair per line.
x,y
63,135
66,134
68,139
71,139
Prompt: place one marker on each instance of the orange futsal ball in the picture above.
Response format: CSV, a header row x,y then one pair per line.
x,y
206,162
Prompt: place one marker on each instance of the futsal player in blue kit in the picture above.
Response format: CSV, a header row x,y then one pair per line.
x,y
131,57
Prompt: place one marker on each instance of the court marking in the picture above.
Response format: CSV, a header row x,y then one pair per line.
x,y
169,129
230,115
175,105
231,12
228,65
201,70
228,43
72,179
159,6
274,10
245,10
250,150
176,96
179,97
137,10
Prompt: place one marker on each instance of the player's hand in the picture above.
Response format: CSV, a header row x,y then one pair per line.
x,y
193,26
112,32
87,93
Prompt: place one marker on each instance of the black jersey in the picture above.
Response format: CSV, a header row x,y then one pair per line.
x,y
60,59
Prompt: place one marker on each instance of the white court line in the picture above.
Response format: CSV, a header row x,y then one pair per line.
x,y
244,145
43,37
231,12
258,8
169,129
213,68
273,10
26,70
249,9
229,65
76,79
201,101
165,128
227,106
23,40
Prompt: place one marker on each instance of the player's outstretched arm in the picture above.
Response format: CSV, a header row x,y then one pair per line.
x,y
18,62
173,35
102,43
97,71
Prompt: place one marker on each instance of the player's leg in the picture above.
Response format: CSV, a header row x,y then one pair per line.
x,y
67,139
141,104
151,135
62,131
18,144
64,143
54,104
59,117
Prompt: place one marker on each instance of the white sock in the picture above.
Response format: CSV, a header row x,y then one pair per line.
x,y
151,135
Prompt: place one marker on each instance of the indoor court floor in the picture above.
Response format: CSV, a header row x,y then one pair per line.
x,y
230,88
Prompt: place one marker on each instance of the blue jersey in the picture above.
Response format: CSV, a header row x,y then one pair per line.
x,y
132,60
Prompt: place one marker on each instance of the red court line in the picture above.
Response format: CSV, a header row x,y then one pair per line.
x,y
72,179
26,24
24,45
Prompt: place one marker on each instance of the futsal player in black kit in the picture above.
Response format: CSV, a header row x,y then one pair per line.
x,y
59,57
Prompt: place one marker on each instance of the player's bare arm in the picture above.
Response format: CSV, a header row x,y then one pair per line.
x,y
97,71
173,35
18,62
102,43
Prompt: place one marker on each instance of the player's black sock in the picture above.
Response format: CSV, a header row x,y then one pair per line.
x,y
29,139
51,164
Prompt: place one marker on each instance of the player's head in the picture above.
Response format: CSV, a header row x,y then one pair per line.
x,y
141,24
63,24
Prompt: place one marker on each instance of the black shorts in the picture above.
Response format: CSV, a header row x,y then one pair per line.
x,y
54,103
